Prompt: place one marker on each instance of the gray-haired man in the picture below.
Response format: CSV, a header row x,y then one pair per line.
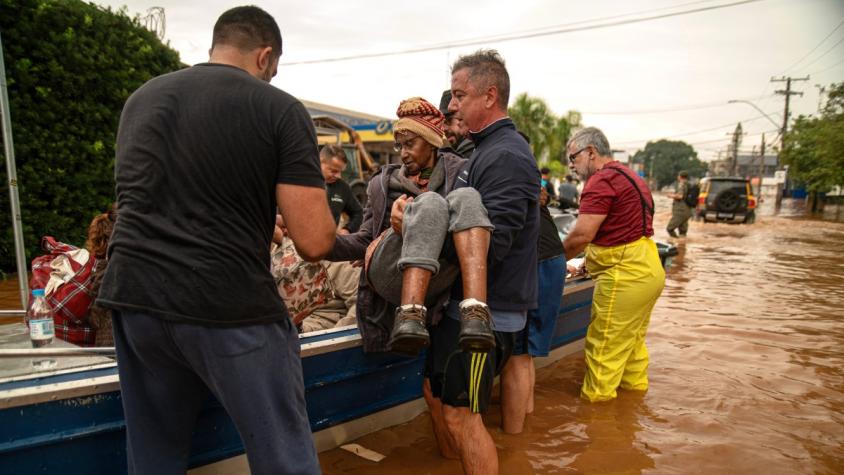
x,y
458,384
614,227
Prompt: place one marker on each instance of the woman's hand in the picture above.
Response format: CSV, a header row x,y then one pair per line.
x,y
397,213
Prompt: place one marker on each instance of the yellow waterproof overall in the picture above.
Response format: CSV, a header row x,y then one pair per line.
x,y
628,280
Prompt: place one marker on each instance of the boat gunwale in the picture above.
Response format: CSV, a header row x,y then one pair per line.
x,y
47,391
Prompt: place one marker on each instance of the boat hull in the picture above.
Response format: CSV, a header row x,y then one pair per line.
x,y
71,421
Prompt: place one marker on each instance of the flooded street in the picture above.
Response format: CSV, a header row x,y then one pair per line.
x,y
746,375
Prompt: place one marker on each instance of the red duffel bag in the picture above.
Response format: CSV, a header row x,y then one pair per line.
x,y
70,294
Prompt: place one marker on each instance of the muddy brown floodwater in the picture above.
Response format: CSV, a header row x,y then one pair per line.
x,y
746,375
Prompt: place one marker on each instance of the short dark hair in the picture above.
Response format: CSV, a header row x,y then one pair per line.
x,y
332,150
486,68
444,101
569,178
544,170
683,174
246,28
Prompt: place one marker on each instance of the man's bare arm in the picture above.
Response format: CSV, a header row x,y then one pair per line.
x,y
308,219
583,233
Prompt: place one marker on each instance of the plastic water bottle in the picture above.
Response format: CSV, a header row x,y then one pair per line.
x,y
40,320
41,328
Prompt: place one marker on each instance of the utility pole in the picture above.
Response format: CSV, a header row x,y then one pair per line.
x,y
787,92
736,142
651,172
761,169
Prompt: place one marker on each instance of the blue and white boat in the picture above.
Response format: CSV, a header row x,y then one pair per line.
x,y
69,419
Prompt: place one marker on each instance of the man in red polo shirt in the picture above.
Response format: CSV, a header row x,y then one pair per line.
x,y
614,228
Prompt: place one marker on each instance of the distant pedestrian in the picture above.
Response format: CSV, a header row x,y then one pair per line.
x,y
205,155
547,183
332,162
680,210
569,196
615,226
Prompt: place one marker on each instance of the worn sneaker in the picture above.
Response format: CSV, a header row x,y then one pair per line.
x,y
672,233
409,334
475,327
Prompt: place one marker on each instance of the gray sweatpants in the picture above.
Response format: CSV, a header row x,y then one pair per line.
x,y
428,221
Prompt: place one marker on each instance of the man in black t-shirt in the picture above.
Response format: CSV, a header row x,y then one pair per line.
x,y
204,157
332,161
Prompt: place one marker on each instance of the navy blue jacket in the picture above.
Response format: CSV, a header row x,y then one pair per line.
x,y
504,172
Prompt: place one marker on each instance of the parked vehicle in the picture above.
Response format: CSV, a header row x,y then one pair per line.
x,y
728,199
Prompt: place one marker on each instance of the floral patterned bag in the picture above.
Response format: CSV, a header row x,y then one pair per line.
x,y
304,286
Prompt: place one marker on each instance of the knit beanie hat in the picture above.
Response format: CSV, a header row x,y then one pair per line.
x,y
423,119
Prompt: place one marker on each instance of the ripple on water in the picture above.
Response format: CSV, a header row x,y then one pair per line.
x,y
746,372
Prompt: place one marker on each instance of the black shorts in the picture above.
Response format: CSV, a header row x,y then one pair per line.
x,y
463,379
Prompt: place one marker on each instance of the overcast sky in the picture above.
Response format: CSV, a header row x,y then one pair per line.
x,y
661,78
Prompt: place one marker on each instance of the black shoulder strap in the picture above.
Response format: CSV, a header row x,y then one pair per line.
x,y
645,206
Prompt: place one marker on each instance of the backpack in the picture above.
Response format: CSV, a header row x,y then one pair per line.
x,y
71,299
692,193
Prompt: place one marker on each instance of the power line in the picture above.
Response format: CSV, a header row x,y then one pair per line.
x,y
520,36
827,69
768,85
815,48
690,107
580,22
826,53
706,142
730,138
695,132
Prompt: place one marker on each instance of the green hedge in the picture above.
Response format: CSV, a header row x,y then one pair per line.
x,y
70,66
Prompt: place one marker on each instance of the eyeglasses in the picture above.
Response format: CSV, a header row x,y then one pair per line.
x,y
573,156
408,144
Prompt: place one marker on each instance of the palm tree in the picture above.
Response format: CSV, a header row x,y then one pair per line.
x,y
533,118
548,133
560,135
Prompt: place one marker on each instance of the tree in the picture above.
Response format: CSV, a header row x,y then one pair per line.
x,y
70,67
533,118
664,159
548,133
560,135
814,147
